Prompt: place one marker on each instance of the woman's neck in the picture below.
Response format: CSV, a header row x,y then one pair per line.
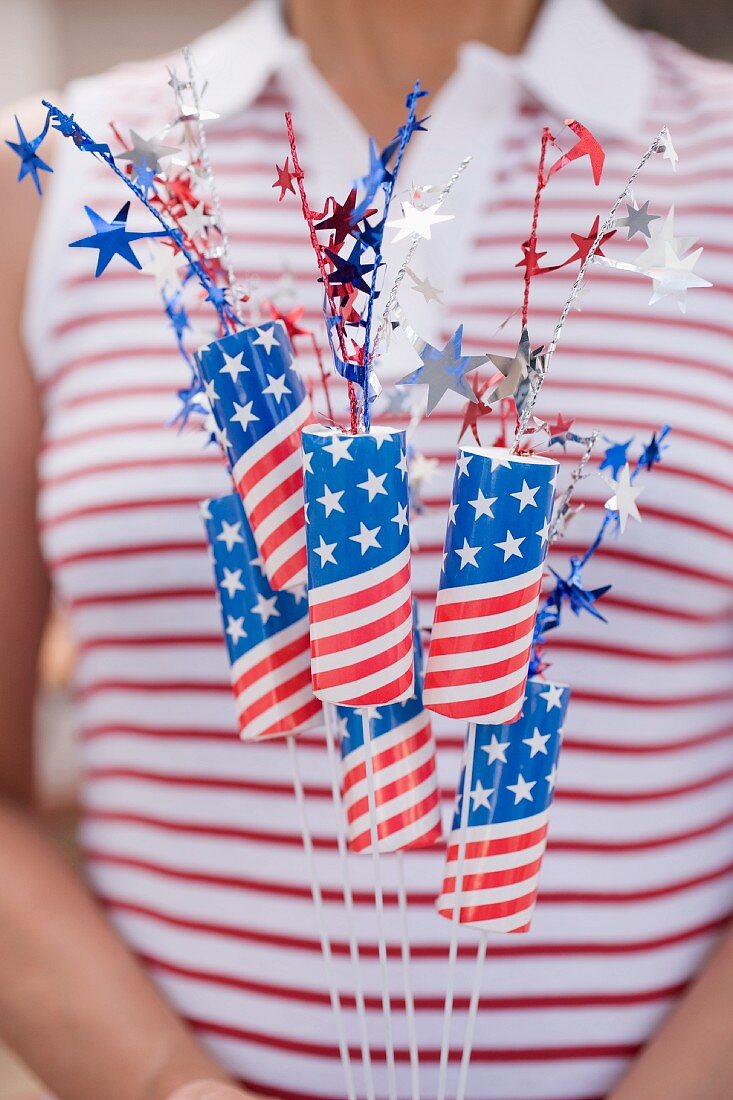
x,y
371,52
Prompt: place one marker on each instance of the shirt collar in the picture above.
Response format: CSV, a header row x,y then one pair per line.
x,y
580,60
583,62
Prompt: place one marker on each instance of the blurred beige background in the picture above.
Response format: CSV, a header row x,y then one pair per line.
x,y
55,40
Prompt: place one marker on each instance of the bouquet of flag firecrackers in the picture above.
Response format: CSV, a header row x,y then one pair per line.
x,y
311,548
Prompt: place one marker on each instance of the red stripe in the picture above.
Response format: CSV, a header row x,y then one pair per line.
x,y
388,792
493,911
492,605
393,825
355,668
497,846
455,678
479,707
402,751
294,524
274,659
366,632
421,950
489,880
159,504
292,567
423,1002
387,693
322,610
612,552
280,696
278,495
323,1050
278,453
289,723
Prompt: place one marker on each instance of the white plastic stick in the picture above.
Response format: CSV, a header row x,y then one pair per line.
x,y
348,900
472,1014
321,921
379,898
457,906
406,966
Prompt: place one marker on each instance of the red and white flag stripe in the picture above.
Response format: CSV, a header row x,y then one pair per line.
x,y
479,648
406,789
272,685
498,888
361,640
269,479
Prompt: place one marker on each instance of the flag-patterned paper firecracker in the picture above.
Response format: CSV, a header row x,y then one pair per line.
x,y
495,548
358,542
266,632
405,774
510,794
260,406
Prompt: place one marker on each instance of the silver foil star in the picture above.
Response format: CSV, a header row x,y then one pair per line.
x,y
146,152
637,219
444,369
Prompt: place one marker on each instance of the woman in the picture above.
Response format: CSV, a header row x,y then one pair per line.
x,y
622,988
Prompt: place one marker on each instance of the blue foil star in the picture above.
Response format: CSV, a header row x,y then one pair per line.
x,y
571,588
377,176
615,457
349,270
654,449
112,239
30,163
144,177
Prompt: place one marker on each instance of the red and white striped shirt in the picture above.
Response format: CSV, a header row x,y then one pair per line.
x,y
191,838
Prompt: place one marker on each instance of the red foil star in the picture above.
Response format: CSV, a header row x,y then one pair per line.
x,y
291,321
284,179
585,146
475,410
583,244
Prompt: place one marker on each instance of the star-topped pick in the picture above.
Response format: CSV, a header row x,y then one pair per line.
x,y
417,222
112,239
30,163
444,369
623,501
